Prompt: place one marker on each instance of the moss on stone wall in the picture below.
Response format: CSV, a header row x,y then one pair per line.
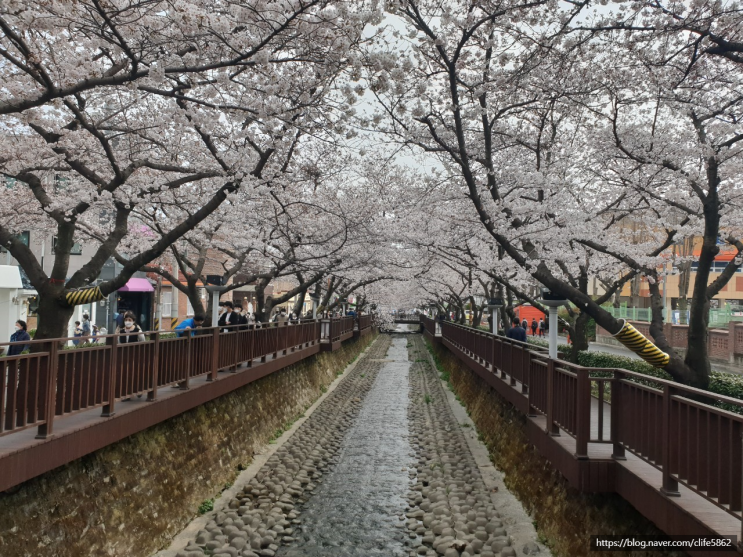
x,y
131,498
564,517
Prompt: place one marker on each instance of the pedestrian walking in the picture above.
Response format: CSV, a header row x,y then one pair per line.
x,y
86,326
541,327
281,318
229,317
524,324
20,335
77,333
119,319
534,327
517,332
241,316
130,332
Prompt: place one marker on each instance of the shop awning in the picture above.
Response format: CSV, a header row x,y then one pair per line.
x,y
137,285
10,277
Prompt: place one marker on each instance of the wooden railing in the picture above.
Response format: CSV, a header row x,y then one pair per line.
x,y
51,382
681,431
365,322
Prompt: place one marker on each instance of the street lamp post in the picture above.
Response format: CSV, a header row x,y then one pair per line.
x,y
315,302
494,305
214,286
552,301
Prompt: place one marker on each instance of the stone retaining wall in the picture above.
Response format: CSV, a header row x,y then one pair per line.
x,y
564,517
129,499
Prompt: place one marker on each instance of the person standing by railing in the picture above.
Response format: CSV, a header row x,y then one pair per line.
x,y
130,332
517,332
20,335
189,325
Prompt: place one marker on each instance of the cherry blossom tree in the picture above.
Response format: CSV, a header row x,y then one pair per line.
x,y
110,108
559,134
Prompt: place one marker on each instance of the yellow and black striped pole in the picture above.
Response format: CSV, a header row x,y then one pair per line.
x,y
640,345
83,296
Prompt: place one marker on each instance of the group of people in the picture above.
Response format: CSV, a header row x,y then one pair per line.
x,y
85,330
519,329
537,329
231,316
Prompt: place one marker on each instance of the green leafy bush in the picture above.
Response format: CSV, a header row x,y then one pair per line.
x,y
561,348
206,506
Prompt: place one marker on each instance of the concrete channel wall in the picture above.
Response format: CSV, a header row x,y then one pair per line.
x,y
132,497
564,517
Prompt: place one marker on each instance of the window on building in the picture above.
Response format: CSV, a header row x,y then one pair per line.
x,y
60,183
717,267
24,237
166,300
77,249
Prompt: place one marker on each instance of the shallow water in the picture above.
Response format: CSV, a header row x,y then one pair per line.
x,y
355,511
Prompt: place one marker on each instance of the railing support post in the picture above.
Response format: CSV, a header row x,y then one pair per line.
x,y
530,392
237,349
551,428
583,414
616,386
526,377
152,395
670,486
108,409
183,385
215,355
46,429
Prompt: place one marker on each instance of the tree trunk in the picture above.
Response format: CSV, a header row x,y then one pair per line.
x,y
579,336
299,304
192,292
684,283
53,318
634,300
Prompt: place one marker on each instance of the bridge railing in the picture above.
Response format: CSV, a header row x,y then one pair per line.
x,y
692,436
365,321
52,381
429,325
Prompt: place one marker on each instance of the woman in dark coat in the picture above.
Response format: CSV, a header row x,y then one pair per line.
x,y
20,335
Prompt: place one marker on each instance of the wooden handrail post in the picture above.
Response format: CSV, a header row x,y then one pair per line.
x,y
583,414
670,486
551,427
215,355
108,409
532,411
526,377
616,389
152,395
46,429
183,385
237,349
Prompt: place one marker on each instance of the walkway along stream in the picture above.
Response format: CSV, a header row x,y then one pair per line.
x,y
380,468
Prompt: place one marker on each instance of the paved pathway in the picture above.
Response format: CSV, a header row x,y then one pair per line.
x,y
380,468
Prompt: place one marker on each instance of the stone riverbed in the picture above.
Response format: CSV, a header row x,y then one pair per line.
x,y
380,468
